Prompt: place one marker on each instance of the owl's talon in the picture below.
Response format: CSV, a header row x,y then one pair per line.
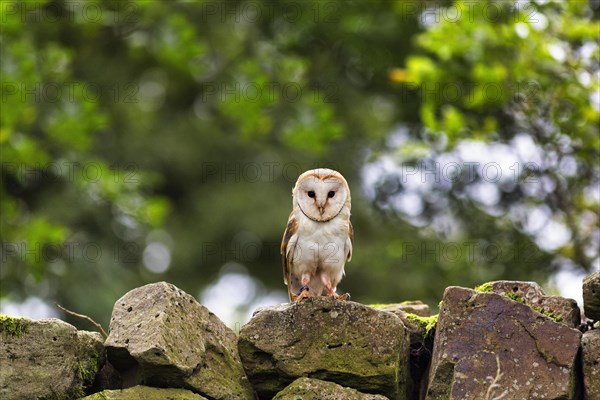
x,y
304,293
302,289
345,296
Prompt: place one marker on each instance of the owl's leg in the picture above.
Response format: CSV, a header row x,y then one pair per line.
x,y
331,290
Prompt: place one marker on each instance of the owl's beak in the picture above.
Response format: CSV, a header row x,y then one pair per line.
x,y
321,206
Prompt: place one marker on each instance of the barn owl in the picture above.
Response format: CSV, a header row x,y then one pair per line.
x,y
317,241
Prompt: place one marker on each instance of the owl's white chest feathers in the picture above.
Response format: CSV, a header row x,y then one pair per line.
x,y
321,246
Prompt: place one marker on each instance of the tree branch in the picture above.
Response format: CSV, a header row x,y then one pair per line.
x,y
97,325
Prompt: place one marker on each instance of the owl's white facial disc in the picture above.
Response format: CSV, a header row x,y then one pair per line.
x,y
321,197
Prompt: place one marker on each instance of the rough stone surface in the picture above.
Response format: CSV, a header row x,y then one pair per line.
x,y
421,342
590,344
161,336
145,393
565,311
339,341
46,359
416,307
485,336
591,296
315,389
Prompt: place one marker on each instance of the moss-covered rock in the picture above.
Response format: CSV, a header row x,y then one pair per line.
x,y
416,307
339,341
560,309
590,345
161,336
591,296
46,359
426,324
421,330
489,345
145,393
315,389
12,326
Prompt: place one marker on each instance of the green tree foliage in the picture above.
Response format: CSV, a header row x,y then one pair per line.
x,y
146,141
519,69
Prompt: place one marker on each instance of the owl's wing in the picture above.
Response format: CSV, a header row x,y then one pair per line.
x,y
288,244
349,241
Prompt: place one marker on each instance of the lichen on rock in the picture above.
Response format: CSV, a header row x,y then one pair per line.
x,y
416,307
507,339
483,335
161,336
591,296
427,324
145,393
339,341
12,326
560,309
421,330
590,345
315,389
47,359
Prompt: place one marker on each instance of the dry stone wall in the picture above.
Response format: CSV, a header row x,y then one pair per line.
x,y
502,340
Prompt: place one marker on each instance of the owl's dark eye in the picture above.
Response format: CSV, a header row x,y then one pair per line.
x,y
311,194
331,194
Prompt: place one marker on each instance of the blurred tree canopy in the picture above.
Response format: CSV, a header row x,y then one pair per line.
x,y
146,140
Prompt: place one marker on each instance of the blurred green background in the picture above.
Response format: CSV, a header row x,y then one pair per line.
x,y
144,141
